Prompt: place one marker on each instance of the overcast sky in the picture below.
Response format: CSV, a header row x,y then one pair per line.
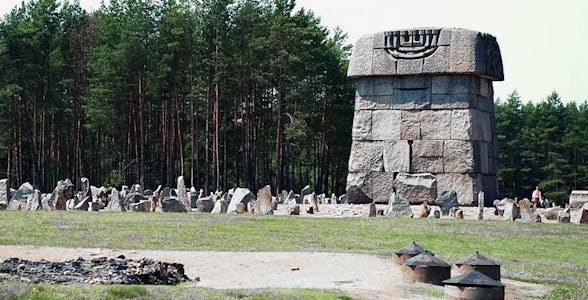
x,y
544,43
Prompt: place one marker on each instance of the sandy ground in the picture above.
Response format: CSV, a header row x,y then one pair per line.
x,y
358,275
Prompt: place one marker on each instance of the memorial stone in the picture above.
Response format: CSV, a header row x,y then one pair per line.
x,y
424,104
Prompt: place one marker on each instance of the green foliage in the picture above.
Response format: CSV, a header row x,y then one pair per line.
x,y
542,144
126,292
156,89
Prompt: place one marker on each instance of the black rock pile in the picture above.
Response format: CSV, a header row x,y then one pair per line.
x,y
96,271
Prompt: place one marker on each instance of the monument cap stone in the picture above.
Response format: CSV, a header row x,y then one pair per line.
x,y
429,51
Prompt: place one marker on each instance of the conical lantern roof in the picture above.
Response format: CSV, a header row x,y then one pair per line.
x,y
473,279
425,259
477,260
412,249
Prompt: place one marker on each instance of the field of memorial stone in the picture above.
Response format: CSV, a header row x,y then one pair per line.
x,y
538,259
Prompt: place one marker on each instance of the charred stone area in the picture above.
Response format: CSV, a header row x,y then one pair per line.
x,y
119,270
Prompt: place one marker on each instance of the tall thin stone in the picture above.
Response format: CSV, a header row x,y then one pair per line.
x,y
182,193
264,201
85,185
4,193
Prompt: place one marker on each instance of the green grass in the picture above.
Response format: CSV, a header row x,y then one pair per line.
x,y
552,253
17,290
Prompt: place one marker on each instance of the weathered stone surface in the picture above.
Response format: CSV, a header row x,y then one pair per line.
x,y
220,207
132,198
551,214
13,205
193,199
459,214
306,190
388,125
410,99
446,201
584,214
379,186
371,187
183,193
383,63
34,201
94,206
205,204
366,156
45,200
4,193
264,201
410,67
241,195
22,195
143,206
398,207
114,202
438,62
372,212
455,84
362,125
124,190
396,156
436,124
334,199
512,211
462,124
294,209
275,204
137,189
467,186
416,188
410,125
459,157
84,204
564,217
526,211
85,186
360,63
172,204
578,198
427,156
466,52
356,195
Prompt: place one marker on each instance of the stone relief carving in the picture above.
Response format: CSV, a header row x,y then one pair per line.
x,y
411,44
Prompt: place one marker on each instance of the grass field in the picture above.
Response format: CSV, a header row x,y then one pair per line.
x,y
546,253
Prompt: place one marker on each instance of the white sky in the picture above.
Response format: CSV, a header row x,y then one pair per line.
x,y
544,43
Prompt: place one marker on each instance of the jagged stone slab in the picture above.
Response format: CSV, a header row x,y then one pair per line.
x,y
242,196
446,201
416,188
398,207
578,198
264,201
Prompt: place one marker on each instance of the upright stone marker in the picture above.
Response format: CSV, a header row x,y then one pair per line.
x,y
424,104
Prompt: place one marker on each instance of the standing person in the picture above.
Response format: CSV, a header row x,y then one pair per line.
x,y
536,197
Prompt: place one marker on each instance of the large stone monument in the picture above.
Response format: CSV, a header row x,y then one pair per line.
x,y
424,115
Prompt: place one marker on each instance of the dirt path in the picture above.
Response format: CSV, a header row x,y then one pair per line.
x,y
359,275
